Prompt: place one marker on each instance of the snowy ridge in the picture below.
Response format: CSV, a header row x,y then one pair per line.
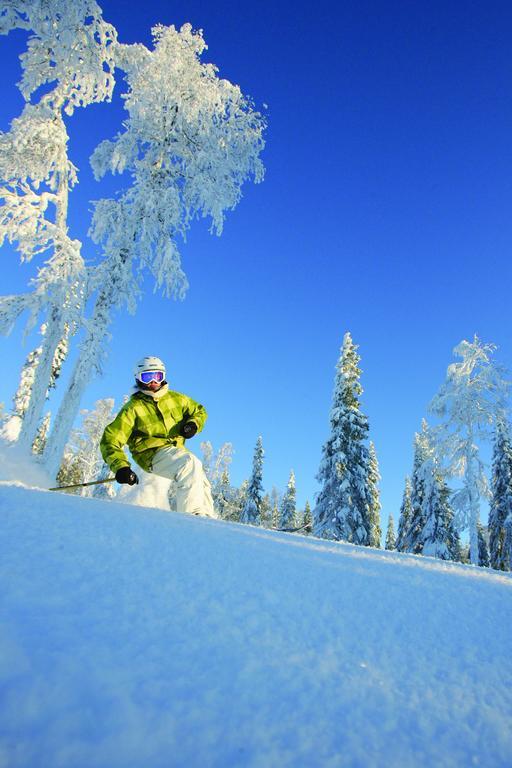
x,y
137,637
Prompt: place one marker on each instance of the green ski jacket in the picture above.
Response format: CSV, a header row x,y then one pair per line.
x,y
146,424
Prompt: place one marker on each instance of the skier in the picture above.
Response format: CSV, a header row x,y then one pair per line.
x,y
154,423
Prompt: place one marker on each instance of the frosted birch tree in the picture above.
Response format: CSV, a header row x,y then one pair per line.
x,y
469,403
68,64
344,502
189,143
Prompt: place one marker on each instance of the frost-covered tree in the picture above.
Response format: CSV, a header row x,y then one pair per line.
x,y
216,467
412,535
189,143
483,549
501,499
288,512
251,512
225,499
344,502
470,402
438,536
390,534
68,63
375,505
275,502
430,529
21,400
82,459
308,518
266,511
240,499
41,434
404,518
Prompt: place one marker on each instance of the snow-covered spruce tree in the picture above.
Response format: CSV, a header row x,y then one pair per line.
x,y
41,434
344,502
404,518
430,529
266,511
251,512
308,518
506,550
411,540
438,537
190,142
83,459
483,549
240,500
69,60
225,499
471,400
501,499
275,502
390,534
288,512
375,506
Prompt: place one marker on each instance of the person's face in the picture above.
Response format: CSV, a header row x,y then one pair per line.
x,y
154,385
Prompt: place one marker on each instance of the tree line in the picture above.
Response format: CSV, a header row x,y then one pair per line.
x,y
442,496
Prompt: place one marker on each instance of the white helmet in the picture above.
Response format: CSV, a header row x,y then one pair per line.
x,y
148,364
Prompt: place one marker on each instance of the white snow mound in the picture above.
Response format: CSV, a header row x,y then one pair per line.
x,y
134,637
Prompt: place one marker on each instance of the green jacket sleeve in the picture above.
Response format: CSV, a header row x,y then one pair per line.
x,y
194,412
115,437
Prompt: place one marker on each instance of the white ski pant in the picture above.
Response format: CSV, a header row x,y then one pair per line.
x,y
193,492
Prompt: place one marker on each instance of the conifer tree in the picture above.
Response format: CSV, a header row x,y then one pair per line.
x,y
308,518
438,537
266,511
501,499
275,504
344,502
412,537
390,534
240,500
287,518
41,435
430,530
375,506
483,549
251,512
404,518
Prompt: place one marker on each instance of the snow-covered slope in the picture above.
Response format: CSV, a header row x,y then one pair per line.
x,y
135,637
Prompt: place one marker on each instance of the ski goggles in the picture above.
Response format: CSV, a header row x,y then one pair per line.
x,y
146,376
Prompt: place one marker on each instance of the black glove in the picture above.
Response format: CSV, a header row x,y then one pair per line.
x,y
188,429
125,475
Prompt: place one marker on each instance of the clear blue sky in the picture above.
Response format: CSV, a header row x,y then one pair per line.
x,y
385,211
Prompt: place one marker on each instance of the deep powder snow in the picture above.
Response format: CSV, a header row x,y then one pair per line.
x,y
137,637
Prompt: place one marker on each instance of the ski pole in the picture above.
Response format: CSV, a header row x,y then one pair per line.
x,y
82,485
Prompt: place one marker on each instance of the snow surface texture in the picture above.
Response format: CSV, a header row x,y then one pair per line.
x,y
135,637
